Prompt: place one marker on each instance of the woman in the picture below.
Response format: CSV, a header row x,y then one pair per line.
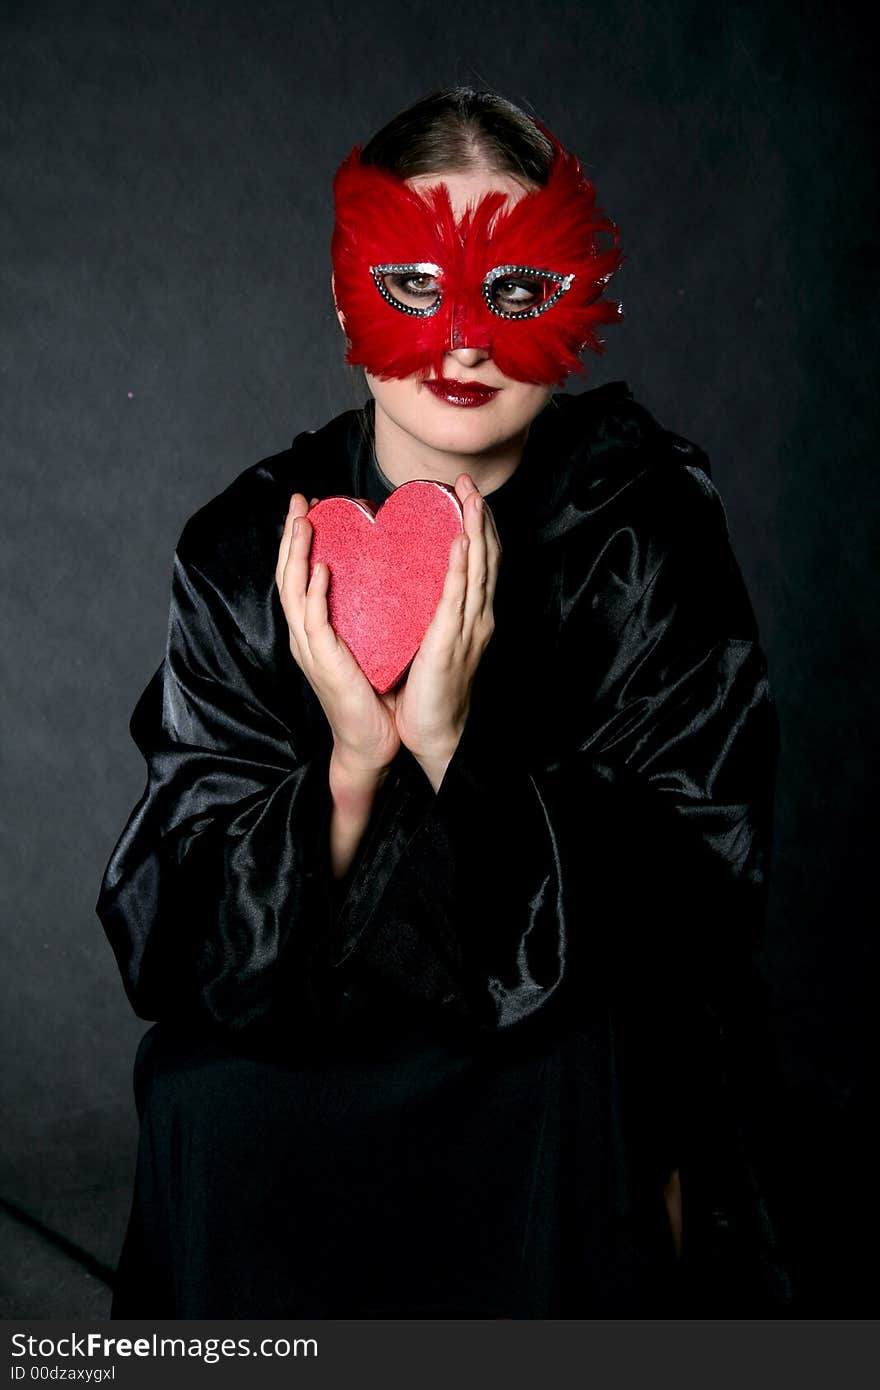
x,y
457,1007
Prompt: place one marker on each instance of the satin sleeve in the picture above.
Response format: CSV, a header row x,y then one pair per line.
x,y
220,883
683,734
637,852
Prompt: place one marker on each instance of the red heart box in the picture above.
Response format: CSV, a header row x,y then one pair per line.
x,y
387,569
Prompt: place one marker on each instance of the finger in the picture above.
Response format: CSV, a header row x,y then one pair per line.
x,y
283,549
281,570
449,615
295,579
324,645
464,486
493,553
327,648
478,570
296,507
492,534
286,538
298,504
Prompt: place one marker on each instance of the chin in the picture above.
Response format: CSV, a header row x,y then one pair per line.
x,y
454,429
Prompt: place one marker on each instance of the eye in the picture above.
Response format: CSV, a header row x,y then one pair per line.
x,y
414,287
520,291
512,295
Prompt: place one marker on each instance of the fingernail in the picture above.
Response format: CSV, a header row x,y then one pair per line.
x,y
479,503
296,526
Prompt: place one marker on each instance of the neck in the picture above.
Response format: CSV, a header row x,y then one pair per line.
x,y
403,458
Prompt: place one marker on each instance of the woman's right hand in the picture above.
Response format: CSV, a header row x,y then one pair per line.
x,y
365,734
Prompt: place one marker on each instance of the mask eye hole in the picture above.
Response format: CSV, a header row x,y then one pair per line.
x,y
413,287
523,291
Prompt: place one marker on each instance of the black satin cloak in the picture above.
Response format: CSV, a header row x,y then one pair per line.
x,y
579,906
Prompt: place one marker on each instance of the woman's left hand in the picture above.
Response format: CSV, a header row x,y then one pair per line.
x,y
431,706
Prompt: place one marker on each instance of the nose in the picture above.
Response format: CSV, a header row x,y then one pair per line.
x,y
469,356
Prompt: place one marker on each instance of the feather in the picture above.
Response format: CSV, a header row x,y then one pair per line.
x,y
381,219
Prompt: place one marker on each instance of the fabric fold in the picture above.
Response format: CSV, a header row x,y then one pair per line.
x,y
218,888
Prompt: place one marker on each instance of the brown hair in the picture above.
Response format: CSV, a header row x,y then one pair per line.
x,y
451,130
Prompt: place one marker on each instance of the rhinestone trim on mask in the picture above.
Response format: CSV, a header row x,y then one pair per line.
x,y
563,282
406,268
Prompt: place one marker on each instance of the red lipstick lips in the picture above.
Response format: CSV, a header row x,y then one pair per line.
x,y
462,393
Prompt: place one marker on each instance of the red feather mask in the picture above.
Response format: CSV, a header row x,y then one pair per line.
x,y
523,282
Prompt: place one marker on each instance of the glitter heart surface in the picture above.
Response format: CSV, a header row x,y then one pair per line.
x,y
387,569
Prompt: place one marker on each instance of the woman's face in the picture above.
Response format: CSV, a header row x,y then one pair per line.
x,y
440,423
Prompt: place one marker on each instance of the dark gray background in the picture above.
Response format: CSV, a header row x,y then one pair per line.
x,y
167,321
